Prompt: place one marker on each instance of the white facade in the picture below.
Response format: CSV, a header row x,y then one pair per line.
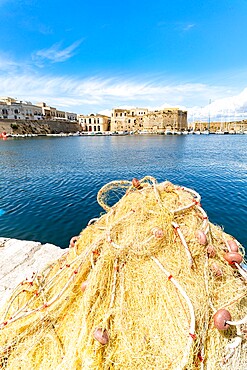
x,y
94,122
16,109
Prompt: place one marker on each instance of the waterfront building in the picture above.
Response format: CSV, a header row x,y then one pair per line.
x,y
71,116
16,109
94,122
232,127
142,120
127,119
170,119
55,114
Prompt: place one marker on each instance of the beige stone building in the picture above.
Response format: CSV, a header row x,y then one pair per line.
x,y
144,121
55,114
170,119
127,119
219,126
94,122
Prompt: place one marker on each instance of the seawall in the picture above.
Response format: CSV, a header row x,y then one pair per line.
x,y
39,127
20,259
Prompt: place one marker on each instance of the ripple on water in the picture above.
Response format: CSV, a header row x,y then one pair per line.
x,y
49,187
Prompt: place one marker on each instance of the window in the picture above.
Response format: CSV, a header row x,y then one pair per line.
x,y
98,128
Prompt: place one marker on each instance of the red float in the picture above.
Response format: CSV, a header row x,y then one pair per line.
x,y
211,251
201,237
158,233
232,245
136,183
101,336
216,269
84,285
233,257
220,319
73,241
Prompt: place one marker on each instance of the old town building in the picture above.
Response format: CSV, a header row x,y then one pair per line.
x,y
23,110
55,114
15,109
144,121
169,119
127,119
94,122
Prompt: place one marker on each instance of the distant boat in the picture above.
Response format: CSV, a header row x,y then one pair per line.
x,y
219,132
168,132
144,132
205,132
198,132
185,132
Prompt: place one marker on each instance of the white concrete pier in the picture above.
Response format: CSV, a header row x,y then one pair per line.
x,y
19,259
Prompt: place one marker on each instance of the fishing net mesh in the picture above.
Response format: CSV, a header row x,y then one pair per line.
x,y
137,290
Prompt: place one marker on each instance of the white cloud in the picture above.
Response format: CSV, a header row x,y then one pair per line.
x,y
98,94
188,27
228,108
56,54
7,64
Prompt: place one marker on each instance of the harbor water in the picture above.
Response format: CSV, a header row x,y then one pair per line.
x,y
49,185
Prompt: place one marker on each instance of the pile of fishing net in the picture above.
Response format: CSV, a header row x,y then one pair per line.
x,y
151,284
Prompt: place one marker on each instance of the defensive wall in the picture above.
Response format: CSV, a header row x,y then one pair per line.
x,y
11,126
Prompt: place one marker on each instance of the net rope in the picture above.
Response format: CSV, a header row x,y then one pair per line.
x,y
143,286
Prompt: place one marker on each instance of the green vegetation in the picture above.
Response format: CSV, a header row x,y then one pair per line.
x,y
14,126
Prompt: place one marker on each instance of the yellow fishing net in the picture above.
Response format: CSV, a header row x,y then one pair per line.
x,y
151,284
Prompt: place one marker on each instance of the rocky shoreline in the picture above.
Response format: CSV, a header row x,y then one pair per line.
x,y
38,127
19,259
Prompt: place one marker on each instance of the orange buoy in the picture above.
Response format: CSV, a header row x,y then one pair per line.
x,y
136,183
220,318
201,237
73,241
233,257
101,336
232,245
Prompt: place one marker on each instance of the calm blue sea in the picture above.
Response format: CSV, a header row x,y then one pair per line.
x,y
48,186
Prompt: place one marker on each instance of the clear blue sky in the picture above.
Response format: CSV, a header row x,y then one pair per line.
x,y
91,56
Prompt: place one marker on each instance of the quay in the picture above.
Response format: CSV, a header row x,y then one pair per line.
x,y
20,259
